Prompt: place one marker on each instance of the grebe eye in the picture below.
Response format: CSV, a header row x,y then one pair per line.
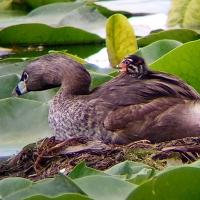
x,y
25,76
127,62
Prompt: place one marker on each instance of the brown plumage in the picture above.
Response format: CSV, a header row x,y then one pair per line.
x,y
137,104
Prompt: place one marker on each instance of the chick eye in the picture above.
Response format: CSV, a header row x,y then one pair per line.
x,y
25,76
126,62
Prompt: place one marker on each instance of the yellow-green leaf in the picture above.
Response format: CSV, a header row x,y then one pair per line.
x,y
120,38
5,4
185,13
177,11
192,15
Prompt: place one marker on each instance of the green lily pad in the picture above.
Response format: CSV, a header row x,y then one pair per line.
x,y
183,61
42,34
134,172
91,20
50,187
50,14
155,50
21,118
7,83
38,3
181,35
180,183
55,24
98,79
12,66
105,187
82,170
10,185
60,197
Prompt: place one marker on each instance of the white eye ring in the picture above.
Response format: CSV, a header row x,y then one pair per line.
x,y
25,76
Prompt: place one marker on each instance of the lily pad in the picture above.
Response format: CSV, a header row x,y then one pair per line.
x,y
50,187
26,34
82,170
183,61
176,183
181,35
53,25
60,197
22,118
10,185
50,14
7,83
105,187
38,3
98,79
134,172
91,20
155,50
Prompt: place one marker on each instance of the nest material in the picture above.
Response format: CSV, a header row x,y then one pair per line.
x,y
48,156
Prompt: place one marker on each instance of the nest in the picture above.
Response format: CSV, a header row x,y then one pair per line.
x,y
48,156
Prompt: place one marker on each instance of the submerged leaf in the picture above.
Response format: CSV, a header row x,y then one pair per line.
x,y
120,39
